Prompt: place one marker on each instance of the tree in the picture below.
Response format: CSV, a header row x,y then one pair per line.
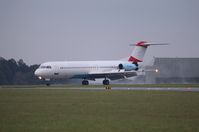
x,y
6,72
22,66
12,72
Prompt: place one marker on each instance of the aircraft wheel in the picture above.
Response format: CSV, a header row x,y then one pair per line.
x,y
85,82
48,84
106,82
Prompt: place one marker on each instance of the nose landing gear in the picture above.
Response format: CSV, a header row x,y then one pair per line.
x,y
48,84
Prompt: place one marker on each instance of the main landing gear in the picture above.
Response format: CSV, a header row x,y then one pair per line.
x,y
85,82
106,82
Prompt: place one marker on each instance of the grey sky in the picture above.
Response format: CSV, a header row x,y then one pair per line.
x,y
48,30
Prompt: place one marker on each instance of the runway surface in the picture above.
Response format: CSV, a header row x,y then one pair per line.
x,y
146,89
161,89
120,88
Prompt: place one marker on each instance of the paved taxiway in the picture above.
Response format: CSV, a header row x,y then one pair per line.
x,y
121,88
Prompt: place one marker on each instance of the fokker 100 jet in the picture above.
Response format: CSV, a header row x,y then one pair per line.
x,y
91,70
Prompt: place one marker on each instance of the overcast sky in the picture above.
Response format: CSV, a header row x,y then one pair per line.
x,y
51,30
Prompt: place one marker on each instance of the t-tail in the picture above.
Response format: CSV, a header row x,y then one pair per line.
x,y
139,51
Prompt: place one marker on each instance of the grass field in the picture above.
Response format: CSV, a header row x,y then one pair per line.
x,y
57,110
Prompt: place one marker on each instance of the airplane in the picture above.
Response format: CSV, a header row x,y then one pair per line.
x,y
91,70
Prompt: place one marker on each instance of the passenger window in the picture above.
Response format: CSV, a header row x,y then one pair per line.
x,y
48,67
56,73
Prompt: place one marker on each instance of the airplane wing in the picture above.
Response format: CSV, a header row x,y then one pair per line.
x,y
112,75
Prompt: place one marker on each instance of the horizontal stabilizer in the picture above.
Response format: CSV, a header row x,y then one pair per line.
x,y
148,44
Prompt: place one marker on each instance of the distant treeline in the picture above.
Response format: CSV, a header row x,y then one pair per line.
x,y
14,72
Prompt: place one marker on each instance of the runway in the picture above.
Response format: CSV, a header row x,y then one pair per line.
x,y
117,88
143,89
161,89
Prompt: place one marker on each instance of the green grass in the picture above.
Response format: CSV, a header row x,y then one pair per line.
x,y
62,110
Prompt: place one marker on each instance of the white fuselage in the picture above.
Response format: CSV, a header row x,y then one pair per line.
x,y
70,69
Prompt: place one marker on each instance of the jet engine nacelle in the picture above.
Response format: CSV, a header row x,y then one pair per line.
x,y
128,66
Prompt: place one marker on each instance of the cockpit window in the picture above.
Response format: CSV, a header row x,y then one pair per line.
x,y
42,67
45,67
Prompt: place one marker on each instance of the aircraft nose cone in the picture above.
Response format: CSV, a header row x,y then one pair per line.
x,y
37,73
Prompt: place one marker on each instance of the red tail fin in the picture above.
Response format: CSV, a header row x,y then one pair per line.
x,y
140,49
138,52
